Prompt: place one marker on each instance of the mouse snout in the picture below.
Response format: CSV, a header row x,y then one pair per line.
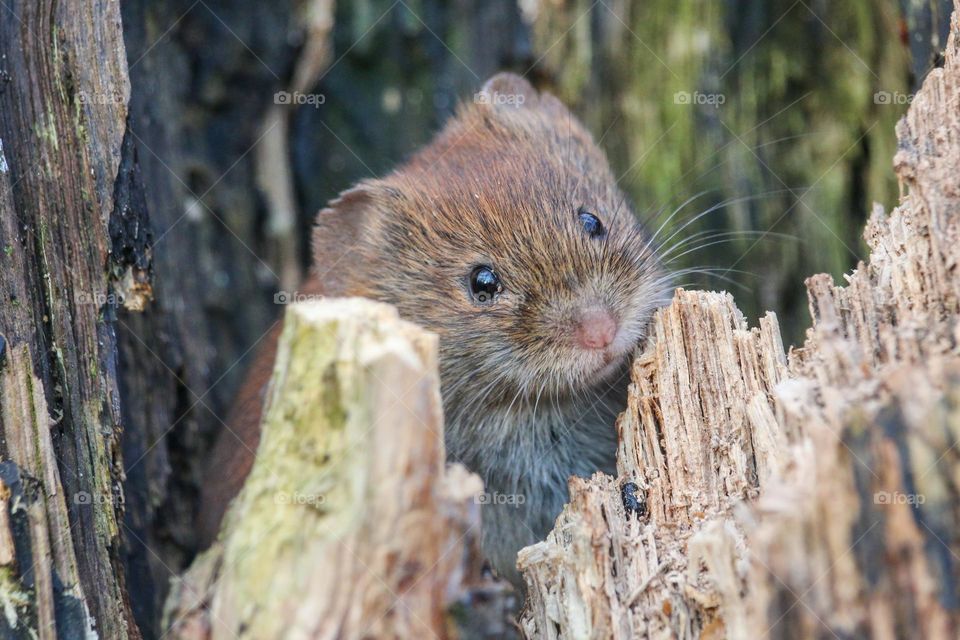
x,y
595,328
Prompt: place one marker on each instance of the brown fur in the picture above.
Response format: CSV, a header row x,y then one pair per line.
x,y
525,406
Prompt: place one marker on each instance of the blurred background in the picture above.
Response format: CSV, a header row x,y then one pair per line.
x,y
246,117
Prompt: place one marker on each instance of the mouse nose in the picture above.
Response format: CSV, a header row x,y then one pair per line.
x,y
595,328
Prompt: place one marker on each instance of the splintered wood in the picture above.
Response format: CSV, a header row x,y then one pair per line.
x,y
348,526
699,437
814,495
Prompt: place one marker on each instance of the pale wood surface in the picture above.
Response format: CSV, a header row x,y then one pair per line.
x,y
349,525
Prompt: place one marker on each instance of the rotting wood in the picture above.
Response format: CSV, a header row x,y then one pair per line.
x,y
699,436
348,526
63,107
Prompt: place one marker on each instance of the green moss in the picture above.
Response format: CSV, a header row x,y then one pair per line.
x,y
15,603
46,131
309,486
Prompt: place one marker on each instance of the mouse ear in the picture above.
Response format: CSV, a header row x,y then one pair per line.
x,y
508,90
339,233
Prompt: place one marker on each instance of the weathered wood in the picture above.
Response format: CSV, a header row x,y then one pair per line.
x,y
63,97
699,437
348,526
804,497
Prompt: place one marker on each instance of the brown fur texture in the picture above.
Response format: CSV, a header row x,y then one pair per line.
x,y
502,185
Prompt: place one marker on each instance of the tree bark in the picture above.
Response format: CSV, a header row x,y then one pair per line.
x,y
68,258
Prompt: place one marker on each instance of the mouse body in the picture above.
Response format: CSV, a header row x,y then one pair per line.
x,y
508,236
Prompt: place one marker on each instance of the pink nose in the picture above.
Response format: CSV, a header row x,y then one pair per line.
x,y
595,329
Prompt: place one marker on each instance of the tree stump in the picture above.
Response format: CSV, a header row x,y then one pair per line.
x,y
348,525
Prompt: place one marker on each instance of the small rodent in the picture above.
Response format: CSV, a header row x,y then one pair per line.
x,y
508,236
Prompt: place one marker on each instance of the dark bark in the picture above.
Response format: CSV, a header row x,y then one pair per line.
x,y
63,89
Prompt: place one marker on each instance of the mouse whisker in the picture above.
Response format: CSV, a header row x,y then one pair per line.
x,y
713,269
719,273
675,212
718,206
719,233
723,238
743,148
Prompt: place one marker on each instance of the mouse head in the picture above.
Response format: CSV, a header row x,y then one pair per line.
x,y
508,236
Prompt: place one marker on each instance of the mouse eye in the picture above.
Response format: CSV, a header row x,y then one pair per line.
x,y
484,284
591,224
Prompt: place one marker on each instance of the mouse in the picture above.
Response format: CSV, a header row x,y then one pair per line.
x,y
508,236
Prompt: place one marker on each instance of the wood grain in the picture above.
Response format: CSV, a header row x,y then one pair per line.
x,y
348,525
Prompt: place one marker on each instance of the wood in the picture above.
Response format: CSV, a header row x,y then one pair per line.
x,y
348,525
698,437
67,257
804,496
